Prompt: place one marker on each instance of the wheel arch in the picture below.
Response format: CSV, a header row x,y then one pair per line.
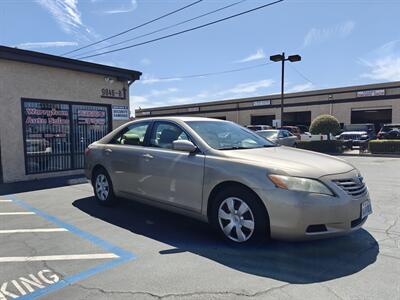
x,y
226,184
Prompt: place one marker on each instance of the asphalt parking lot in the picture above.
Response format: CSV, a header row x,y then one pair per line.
x,y
56,243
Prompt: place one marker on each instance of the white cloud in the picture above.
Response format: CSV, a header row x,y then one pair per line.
x,y
149,79
383,63
67,15
317,35
38,45
153,99
384,69
255,56
126,7
301,87
247,88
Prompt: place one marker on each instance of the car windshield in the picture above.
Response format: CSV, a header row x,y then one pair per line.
x,y
270,134
222,135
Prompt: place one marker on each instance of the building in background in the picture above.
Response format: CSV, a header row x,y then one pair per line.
x,y
374,103
51,108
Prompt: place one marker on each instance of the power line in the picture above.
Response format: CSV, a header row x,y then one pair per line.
x,y
165,28
301,74
214,73
184,31
133,28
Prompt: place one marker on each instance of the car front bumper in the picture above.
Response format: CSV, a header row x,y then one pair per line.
x,y
303,216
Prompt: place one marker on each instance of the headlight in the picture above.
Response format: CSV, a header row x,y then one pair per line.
x,y
300,184
364,137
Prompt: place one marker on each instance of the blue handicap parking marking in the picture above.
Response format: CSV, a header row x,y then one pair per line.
x,y
122,256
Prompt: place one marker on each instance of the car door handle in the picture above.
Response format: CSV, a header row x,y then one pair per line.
x,y
147,156
108,151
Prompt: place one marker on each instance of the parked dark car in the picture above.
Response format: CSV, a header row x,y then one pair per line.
x,y
389,132
303,129
357,135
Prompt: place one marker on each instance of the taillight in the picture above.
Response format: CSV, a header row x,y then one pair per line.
x,y
87,151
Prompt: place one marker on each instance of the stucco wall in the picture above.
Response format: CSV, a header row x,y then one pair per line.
x,y
21,80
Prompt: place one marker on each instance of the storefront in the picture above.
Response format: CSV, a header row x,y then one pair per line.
x,y
52,108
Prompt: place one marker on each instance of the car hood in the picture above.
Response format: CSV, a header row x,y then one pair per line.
x,y
291,161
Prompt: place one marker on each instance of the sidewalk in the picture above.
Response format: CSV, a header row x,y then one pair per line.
x,y
40,184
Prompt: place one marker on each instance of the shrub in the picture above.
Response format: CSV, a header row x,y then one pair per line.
x,y
325,124
332,147
384,146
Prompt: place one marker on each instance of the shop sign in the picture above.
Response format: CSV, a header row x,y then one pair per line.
x,y
91,117
46,116
371,93
262,103
120,112
113,94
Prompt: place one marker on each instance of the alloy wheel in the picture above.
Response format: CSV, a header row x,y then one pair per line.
x,y
102,187
236,219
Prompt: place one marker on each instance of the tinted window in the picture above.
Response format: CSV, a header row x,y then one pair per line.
x,y
164,134
133,135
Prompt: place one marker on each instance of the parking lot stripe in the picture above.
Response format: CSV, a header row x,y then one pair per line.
x,y
1,200
18,213
58,257
123,255
34,230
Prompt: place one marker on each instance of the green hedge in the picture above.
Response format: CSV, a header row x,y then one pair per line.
x,y
384,146
325,124
322,146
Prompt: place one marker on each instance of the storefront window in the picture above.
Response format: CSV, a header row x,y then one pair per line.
x,y
56,134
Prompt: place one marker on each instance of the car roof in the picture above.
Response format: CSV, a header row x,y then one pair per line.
x,y
178,118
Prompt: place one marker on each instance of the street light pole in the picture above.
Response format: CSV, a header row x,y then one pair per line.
x,y
282,88
282,58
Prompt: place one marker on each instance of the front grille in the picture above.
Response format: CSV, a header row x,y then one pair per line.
x,y
351,137
353,187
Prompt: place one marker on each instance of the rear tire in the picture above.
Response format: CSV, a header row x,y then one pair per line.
x,y
103,189
239,217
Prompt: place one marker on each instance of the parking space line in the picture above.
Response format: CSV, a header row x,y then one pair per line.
x,y
121,256
1,200
58,257
17,213
34,230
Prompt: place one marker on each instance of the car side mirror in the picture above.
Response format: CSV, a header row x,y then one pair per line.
x,y
183,145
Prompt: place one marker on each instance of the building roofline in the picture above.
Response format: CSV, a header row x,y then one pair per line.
x,y
328,91
39,58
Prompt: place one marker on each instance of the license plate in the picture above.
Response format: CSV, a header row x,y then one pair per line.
x,y
366,209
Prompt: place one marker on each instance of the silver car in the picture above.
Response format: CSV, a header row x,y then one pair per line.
x,y
279,136
227,175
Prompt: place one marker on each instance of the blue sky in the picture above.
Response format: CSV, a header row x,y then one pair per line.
x,y
342,42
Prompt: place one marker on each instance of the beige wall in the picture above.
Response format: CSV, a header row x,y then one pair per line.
x,y
21,80
342,111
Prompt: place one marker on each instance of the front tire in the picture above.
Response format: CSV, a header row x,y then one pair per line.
x,y
239,217
103,189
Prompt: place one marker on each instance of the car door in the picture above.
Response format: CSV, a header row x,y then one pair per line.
x,y
170,176
124,156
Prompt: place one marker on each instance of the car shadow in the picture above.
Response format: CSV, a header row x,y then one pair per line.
x,y
291,262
